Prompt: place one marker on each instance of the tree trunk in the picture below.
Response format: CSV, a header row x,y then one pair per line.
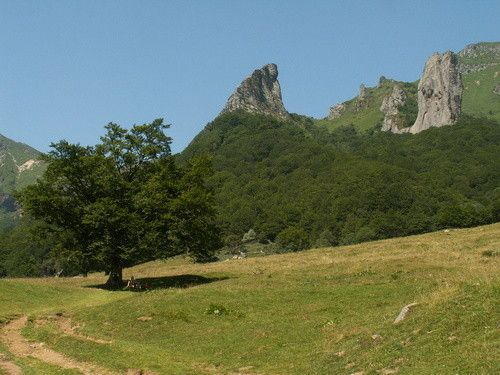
x,y
115,279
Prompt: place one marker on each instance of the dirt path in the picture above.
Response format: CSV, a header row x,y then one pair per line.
x,y
20,347
9,367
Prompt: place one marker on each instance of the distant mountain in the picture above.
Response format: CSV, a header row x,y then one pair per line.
x,y
347,178
19,166
393,105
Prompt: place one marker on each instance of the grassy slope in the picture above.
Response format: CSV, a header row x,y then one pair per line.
x,y
369,115
478,98
313,312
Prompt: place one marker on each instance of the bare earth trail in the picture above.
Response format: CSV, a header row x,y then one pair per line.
x,y
8,367
20,347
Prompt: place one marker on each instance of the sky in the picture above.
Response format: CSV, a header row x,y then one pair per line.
x,y
67,68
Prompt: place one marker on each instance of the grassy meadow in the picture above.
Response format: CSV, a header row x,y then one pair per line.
x,y
322,311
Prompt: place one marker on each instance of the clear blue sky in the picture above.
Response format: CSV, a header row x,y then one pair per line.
x,y
69,67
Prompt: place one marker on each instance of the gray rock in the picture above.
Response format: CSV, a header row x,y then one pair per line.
x,y
336,111
497,89
439,93
362,92
362,96
259,93
390,108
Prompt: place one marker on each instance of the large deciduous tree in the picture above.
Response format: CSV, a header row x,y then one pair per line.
x,y
123,201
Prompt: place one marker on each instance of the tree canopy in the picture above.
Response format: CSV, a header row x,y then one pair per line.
x,y
123,201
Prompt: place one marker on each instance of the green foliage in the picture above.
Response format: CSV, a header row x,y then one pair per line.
x,y
122,202
293,239
478,97
344,186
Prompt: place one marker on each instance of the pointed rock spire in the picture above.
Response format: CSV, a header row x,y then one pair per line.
x,y
439,93
259,93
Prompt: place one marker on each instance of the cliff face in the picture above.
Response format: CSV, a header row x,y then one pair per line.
x,y
390,107
439,93
259,93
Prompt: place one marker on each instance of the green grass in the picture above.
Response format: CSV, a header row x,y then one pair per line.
x,y
478,98
369,115
483,57
314,312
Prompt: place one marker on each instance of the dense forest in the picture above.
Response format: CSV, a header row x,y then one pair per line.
x,y
295,184
297,180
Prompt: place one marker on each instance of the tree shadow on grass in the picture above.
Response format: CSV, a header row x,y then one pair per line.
x,y
165,282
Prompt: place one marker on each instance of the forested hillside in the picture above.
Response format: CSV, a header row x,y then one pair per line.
x,y
294,181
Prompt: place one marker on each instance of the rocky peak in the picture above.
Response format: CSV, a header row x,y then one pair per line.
x,y
259,93
390,107
439,93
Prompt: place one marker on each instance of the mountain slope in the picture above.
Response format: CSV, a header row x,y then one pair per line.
x,y
479,65
19,166
293,176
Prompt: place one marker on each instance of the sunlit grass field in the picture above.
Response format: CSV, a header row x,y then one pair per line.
x,y
322,311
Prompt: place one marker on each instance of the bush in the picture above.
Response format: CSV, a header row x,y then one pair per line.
x,y
293,239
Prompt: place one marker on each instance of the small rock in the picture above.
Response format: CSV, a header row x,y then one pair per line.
x,y
376,337
144,318
497,89
340,354
404,311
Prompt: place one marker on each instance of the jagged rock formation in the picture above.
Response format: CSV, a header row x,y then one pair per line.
x,y
496,90
362,96
336,111
390,106
259,93
439,93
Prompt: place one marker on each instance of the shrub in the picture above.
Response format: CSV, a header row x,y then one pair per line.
x,y
293,239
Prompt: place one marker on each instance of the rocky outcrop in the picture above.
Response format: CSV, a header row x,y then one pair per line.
x,y
259,93
439,93
362,97
476,57
390,107
496,90
336,111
